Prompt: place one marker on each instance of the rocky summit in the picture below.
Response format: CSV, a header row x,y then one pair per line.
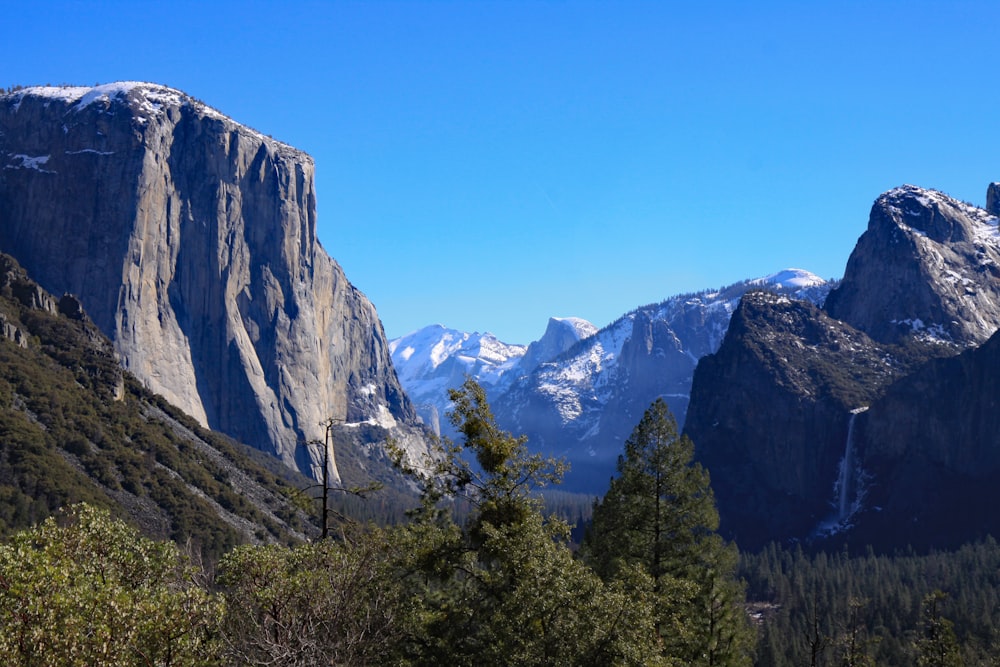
x,y
869,420
191,241
928,266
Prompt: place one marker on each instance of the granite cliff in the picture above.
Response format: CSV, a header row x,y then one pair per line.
x,y
929,450
928,266
191,242
809,419
770,410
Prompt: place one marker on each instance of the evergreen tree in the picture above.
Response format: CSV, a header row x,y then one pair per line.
x,y
505,587
660,513
937,646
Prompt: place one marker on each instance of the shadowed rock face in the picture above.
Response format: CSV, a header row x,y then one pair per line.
x,y
190,240
931,446
771,411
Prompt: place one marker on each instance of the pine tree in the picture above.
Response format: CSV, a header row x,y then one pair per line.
x,y
505,587
660,513
938,646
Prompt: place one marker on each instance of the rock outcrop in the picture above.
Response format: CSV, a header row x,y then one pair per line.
x,y
561,333
853,421
191,242
928,266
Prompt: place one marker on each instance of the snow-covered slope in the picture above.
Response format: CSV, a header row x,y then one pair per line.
x,y
583,404
434,359
578,392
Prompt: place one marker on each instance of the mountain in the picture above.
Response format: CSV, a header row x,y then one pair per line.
x,y
432,360
927,266
578,392
927,453
770,412
191,241
784,415
583,405
75,427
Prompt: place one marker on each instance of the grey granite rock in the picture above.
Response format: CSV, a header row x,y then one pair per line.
x,y
191,241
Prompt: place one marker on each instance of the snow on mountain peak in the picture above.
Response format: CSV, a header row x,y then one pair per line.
x,y
84,96
580,326
793,278
149,99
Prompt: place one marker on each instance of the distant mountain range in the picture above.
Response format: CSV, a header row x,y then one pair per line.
x,y
578,391
434,359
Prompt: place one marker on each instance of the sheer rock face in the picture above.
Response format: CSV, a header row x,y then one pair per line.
x,y
191,241
769,413
772,412
931,446
928,265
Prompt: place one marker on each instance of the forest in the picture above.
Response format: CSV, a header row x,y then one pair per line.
x,y
502,583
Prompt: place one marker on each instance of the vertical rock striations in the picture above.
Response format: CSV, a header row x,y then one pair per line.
x,y
191,241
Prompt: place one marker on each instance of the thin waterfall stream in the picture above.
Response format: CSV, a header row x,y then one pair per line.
x,y
846,478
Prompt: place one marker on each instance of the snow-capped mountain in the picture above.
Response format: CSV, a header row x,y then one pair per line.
x,y
432,360
578,392
584,404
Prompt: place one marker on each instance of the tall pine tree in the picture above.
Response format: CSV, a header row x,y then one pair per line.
x,y
659,513
505,588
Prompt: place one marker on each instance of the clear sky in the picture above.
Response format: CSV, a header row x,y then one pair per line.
x,y
487,165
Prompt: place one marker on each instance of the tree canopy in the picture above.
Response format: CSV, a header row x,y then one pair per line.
x,y
659,514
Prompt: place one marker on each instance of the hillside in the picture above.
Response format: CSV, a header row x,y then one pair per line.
x,y
75,427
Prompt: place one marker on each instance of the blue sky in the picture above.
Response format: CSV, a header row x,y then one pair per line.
x,y
486,165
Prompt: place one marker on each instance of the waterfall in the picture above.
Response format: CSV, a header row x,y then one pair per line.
x,y
847,466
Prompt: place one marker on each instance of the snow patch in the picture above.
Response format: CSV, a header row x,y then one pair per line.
x,y
89,150
30,162
791,278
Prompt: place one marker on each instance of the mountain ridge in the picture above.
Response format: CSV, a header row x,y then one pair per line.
x,y
560,403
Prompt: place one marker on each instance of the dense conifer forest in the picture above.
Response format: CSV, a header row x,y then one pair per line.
x,y
900,609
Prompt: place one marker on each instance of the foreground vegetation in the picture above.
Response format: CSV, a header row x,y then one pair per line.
x,y
651,584
75,427
502,587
